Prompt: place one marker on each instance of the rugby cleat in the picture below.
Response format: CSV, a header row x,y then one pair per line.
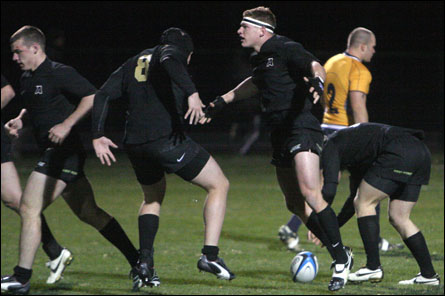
x,y
11,285
58,265
217,267
365,274
385,245
341,272
417,280
148,275
137,282
289,238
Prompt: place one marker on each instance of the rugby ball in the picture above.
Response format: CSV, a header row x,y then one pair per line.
x,y
304,267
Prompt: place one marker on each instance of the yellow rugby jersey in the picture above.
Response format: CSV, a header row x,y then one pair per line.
x,y
344,73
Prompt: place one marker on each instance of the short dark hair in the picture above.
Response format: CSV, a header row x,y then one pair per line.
x,y
30,35
359,36
263,14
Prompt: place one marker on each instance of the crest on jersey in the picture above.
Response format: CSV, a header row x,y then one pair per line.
x,y
269,63
39,90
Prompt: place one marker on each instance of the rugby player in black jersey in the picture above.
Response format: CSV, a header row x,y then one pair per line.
x,y
384,161
44,87
12,193
161,96
290,80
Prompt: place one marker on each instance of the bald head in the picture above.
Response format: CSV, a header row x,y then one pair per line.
x,y
361,43
359,36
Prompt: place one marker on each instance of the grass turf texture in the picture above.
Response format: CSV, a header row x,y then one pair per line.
x,y
249,242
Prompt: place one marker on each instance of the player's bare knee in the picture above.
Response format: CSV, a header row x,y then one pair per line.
x,y
28,212
11,202
397,221
221,185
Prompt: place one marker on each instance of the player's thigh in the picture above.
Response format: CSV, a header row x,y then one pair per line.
x,y
11,190
154,192
211,176
40,191
368,195
307,169
79,196
287,180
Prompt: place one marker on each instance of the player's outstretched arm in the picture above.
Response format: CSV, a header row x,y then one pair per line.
x,y
102,148
244,90
195,111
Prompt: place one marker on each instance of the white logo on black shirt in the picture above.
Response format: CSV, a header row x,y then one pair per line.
x,y
181,158
269,62
39,90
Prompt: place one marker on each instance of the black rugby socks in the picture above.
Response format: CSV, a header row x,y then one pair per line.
x,y
369,231
211,252
114,233
49,243
328,221
148,227
314,226
22,275
417,245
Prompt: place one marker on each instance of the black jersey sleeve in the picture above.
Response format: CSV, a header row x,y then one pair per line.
x,y
72,83
112,89
4,81
171,61
299,58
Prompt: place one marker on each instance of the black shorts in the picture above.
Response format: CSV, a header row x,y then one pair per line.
x,y
6,147
287,143
152,160
395,190
401,168
403,159
62,163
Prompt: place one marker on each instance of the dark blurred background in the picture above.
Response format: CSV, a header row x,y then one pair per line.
x,y
97,37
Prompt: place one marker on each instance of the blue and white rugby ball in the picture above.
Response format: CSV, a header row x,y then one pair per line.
x,y
304,267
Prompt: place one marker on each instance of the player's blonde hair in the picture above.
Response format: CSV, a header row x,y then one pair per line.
x,y
30,35
263,14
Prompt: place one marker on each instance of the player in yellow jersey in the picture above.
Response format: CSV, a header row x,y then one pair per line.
x,y
344,101
347,82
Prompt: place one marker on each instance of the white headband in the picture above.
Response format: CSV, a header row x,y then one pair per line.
x,y
259,24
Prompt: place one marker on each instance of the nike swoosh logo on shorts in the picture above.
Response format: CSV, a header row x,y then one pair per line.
x,y
180,159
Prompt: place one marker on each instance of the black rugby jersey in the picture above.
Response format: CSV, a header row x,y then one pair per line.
x,y
356,148
47,94
156,84
5,138
4,81
278,71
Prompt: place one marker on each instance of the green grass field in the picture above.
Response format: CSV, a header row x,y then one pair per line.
x,y
249,242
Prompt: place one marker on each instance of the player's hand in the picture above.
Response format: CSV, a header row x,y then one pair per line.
x,y
316,86
212,109
195,111
311,237
13,126
102,148
58,133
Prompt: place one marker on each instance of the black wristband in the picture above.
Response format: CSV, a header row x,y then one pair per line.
x,y
218,103
317,84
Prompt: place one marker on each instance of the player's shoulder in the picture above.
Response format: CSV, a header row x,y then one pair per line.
x,y
59,68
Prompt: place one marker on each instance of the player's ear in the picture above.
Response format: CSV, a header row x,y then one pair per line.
x,y
262,31
35,47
